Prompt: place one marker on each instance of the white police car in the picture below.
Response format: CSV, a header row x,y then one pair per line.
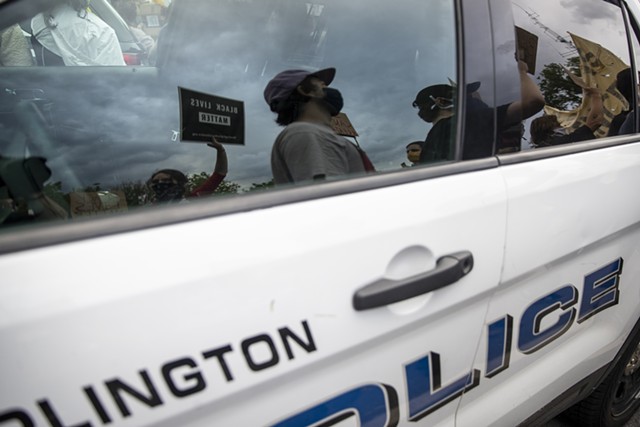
x,y
495,282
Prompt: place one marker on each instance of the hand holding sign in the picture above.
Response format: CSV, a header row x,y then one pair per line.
x,y
215,144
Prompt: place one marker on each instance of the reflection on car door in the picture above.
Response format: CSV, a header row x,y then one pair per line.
x,y
249,317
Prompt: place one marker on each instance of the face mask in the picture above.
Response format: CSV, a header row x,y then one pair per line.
x,y
167,191
428,115
333,99
429,112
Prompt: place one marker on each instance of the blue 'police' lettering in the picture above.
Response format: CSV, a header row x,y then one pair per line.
x,y
375,405
532,337
600,290
424,388
499,333
17,415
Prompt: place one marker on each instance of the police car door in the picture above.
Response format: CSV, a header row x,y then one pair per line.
x,y
359,300
568,294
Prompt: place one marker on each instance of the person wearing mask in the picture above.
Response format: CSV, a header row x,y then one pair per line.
x,y
308,149
435,106
170,185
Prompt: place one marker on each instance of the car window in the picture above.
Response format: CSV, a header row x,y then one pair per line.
x,y
86,132
578,54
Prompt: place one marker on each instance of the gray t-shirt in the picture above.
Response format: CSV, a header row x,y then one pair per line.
x,y
306,150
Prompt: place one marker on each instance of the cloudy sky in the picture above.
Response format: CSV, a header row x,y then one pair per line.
x,y
384,53
118,127
595,20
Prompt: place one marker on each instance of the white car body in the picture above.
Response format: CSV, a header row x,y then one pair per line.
x,y
243,313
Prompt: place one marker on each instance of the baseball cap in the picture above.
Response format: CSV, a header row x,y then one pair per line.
x,y
436,91
441,91
285,82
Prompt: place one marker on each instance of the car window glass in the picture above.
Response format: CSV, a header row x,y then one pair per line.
x,y
577,51
104,125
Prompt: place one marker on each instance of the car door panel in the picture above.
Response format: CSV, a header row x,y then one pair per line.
x,y
578,216
255,309
251,319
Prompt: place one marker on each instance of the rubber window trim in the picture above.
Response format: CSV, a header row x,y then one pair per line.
x,y
565,150
14,239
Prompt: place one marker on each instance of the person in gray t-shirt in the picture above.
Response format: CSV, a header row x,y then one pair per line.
x,y
308,148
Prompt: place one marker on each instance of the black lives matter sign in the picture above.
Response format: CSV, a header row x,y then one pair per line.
x,y
204,116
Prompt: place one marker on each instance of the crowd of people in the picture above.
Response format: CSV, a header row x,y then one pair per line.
x,y
434,104
308,148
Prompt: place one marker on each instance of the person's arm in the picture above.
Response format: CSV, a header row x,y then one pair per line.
x,y
221,167
143,38
531,99
219,172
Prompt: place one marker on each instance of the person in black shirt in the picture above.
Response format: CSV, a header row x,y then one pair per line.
x,y
436,105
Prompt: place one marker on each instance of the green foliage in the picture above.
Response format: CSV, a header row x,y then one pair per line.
x,y
195,180
261,186
557,87
228,187
225,187
138,194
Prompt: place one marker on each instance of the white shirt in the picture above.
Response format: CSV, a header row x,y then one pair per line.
x,y
79,39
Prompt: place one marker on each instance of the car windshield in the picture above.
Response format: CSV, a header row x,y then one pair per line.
x,y
101,96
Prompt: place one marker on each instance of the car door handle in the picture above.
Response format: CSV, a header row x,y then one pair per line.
x,y
449,269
